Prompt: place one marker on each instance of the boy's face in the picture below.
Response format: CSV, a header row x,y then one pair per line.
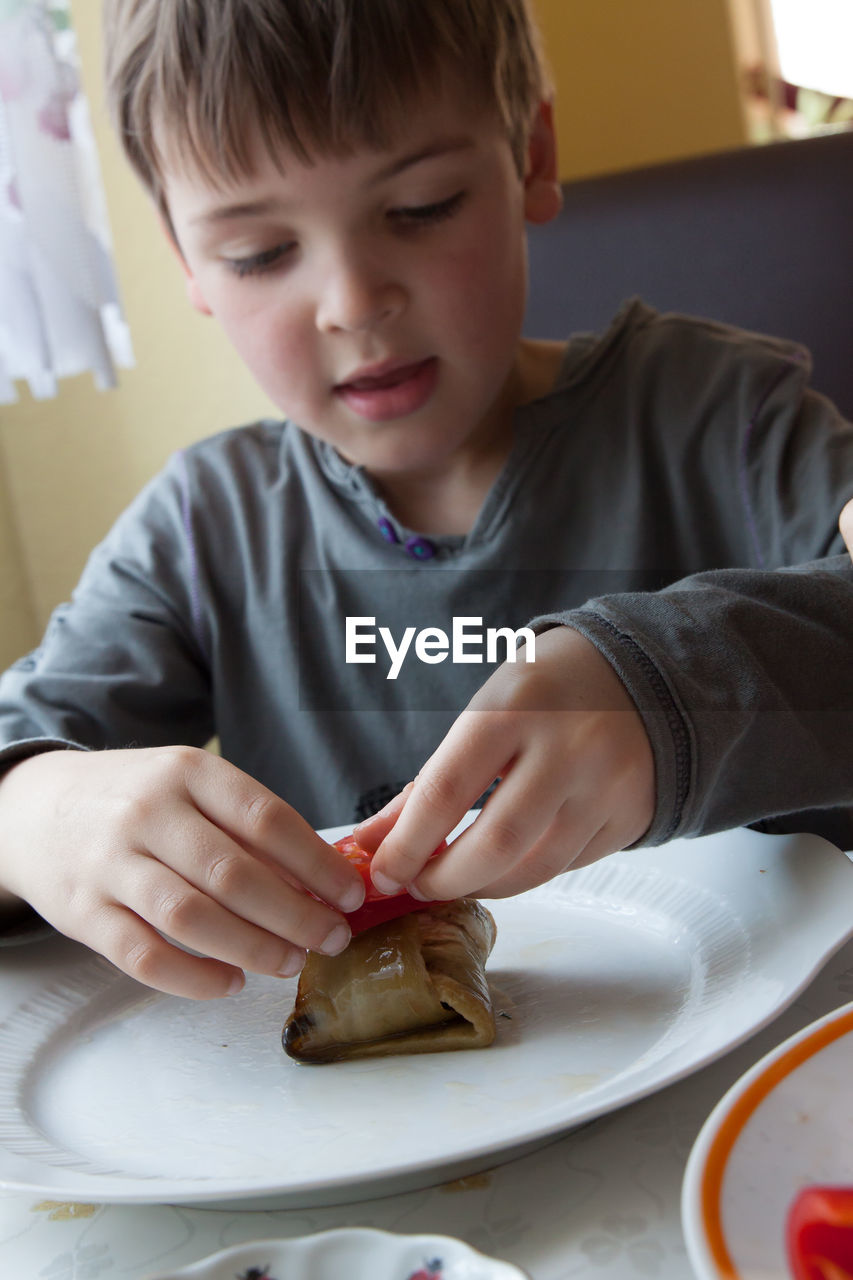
x,y
377,298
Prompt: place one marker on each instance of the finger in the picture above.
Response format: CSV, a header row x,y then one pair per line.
x,y
514,819
465,764
564,850
262,822
207,859
569,844
561,848
138,950
175,908
374,829
612,838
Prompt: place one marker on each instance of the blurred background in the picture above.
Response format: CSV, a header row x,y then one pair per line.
x,y
636,84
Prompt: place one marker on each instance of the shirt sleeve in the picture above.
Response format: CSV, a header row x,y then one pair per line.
x,y
744,675
123,663
744,680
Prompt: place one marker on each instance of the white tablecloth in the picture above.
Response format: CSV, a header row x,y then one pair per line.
x,y
602,1202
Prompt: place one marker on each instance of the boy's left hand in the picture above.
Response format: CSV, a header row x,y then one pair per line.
x,y
577,781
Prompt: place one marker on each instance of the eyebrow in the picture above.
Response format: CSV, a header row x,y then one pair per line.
x,y
262,208
247,209
440,147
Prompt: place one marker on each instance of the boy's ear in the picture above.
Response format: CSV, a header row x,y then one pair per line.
x,y
193,291
543,197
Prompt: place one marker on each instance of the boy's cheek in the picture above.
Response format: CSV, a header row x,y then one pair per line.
x,y
282,361
484,307
253,322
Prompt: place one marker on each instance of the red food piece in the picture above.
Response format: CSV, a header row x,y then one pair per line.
x,y
377,907
819,1234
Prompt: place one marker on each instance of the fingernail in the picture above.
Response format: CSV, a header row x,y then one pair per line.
x,y
384,883
293,964
334,942
236,984
415,893
353,898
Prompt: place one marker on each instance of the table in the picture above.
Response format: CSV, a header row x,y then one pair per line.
x,y
601,1202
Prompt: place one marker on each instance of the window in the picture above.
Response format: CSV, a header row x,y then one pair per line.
x,y
815,44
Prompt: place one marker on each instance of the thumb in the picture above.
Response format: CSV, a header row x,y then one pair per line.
x,y
374,829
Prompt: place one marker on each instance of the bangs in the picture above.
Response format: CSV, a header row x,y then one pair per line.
x,y
201,79
331,107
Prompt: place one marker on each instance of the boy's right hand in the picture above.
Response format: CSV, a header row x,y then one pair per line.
x,y
118,848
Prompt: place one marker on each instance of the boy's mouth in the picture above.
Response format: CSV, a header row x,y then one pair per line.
x,y
389,390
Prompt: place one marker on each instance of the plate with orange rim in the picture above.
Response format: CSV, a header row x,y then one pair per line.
x,y
786,1124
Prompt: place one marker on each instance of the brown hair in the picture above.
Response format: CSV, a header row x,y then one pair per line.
x,y
312,75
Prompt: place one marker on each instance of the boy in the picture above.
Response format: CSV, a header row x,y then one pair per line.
x,y
347,195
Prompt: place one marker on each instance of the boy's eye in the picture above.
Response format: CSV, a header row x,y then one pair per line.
x,y
257,263
420,215
425,214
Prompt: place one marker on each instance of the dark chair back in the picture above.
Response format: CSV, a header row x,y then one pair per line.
x,y
761,237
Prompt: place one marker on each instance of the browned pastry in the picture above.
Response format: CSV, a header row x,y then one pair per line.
x,y
415,984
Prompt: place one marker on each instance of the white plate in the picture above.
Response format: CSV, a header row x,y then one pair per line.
x,y
349,1254
787,1123
616,980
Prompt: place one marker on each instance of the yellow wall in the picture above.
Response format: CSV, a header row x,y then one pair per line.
x,y
641,81
17,616
636,82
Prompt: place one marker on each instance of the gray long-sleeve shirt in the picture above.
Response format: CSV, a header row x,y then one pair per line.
x,y
650,500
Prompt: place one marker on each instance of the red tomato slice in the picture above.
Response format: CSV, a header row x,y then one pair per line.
x,y
377,907
819,1234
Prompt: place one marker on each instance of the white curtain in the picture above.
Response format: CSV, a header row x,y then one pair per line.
x,y
59,306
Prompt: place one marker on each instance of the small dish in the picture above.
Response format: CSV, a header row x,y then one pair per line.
x,y
359,1253
787,1123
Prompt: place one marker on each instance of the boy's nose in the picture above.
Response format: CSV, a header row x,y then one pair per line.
x,y
356,298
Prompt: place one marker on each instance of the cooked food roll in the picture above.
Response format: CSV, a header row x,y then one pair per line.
x,y
415,984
